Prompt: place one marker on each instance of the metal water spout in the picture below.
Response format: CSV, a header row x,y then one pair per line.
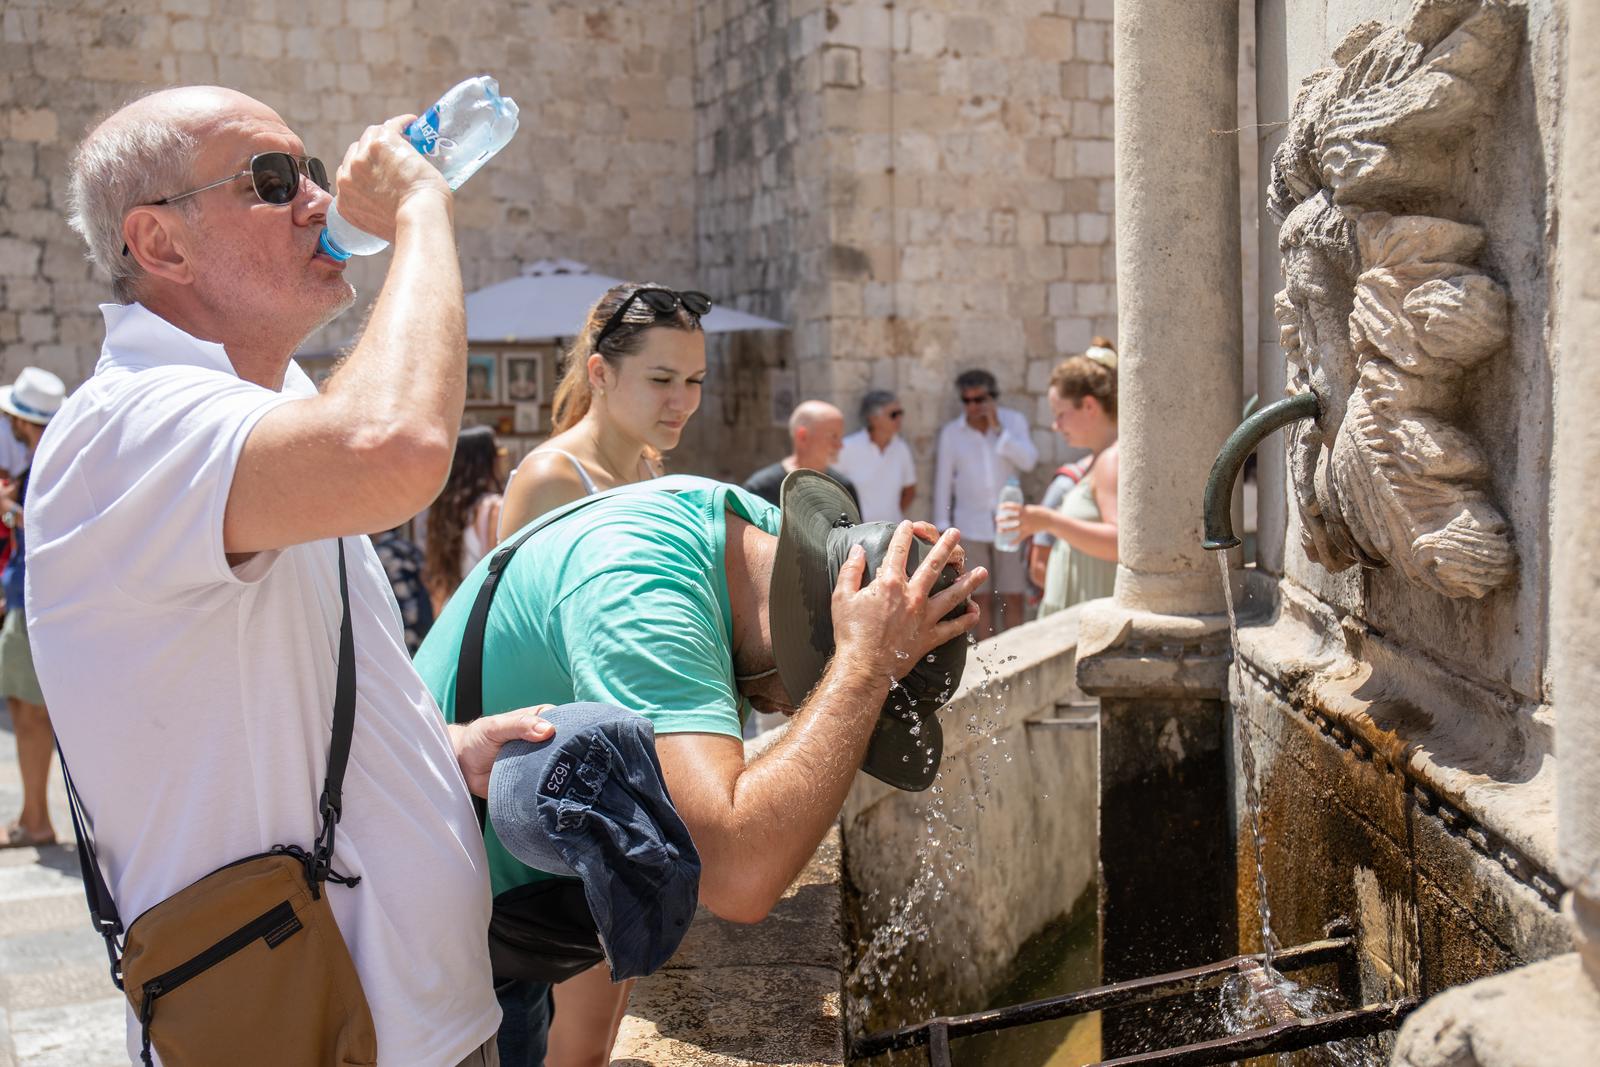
x,y
1225,471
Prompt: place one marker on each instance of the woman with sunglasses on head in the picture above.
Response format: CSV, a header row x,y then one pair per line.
x,y
1083,561
632,380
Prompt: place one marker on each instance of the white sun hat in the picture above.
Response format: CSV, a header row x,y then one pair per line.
x,y
34,397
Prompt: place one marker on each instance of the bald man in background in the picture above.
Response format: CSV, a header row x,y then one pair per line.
x,y
816,432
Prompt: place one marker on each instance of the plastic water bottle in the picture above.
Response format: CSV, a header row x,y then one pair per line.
x,y
459,134
1007,540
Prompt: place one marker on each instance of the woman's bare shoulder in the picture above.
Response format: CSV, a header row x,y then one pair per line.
x,y
1105,468
543,480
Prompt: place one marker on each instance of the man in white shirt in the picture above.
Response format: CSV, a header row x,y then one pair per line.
x,y
977,453
182,587
878,460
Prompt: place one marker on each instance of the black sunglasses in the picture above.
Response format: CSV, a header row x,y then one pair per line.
x,y
895,414
977,399
660,301
275,177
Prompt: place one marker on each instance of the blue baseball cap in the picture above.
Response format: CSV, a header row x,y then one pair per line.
x,y
591,803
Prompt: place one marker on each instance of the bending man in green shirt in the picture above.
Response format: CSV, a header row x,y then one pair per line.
x,y
655,598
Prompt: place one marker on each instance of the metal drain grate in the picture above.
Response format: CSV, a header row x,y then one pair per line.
x,y
1288,1032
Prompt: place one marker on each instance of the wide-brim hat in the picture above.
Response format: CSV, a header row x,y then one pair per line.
x,y
819,527
591,802
34,397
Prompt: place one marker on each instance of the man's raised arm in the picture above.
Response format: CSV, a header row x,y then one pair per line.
x,y
374,448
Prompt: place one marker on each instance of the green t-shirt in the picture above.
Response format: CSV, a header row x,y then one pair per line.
x,y
623,601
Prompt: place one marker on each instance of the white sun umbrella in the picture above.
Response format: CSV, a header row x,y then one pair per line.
x,y
550,299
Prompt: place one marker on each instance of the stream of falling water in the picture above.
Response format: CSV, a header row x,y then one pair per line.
x,y
1244,1003
1252,789
946,851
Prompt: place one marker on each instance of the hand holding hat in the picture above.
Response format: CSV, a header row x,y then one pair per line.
x,y
893,615
480,741
818,540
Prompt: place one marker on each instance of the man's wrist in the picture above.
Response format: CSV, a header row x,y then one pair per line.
x,y
861,665
423,203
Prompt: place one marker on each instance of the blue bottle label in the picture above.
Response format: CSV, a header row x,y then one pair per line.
x,y
424,133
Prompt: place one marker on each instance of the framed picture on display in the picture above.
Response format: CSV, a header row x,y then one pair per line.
x,y
524,372
482,380
483,415
526,418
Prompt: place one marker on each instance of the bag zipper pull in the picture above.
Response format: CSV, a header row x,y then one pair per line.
x,y
152,990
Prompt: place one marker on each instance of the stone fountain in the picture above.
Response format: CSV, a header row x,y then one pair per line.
x,y
1416,656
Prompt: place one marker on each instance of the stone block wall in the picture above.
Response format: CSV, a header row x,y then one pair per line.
x,y
913,188
599,172
916,189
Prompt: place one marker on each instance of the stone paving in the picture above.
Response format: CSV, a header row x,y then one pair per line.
x,y
58,1007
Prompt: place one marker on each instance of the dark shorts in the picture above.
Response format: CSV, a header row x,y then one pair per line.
x,y
527,1010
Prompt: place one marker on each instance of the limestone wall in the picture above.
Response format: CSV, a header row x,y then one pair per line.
x,y
601,170
915,188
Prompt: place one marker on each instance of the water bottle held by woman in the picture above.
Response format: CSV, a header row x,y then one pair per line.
x,y
459,134
1006,538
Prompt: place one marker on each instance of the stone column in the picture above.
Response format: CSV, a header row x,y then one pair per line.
x,y
1549,1013
1575,534
1156,654
1177,289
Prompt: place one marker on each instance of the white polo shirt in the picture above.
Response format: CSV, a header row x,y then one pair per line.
x,y
878,473
194,701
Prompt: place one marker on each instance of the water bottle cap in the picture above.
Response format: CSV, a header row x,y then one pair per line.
x,y
331,250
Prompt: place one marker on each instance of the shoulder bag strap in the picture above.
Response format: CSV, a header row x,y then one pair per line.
x,y
331,805
103,907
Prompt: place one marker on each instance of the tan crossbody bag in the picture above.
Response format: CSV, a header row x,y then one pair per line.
x,y
246,966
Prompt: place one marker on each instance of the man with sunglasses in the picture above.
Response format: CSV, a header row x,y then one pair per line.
x,y
977,452
878,460
196,508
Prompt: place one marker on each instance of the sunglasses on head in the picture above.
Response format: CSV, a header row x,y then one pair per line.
x,y
660,301
275,177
